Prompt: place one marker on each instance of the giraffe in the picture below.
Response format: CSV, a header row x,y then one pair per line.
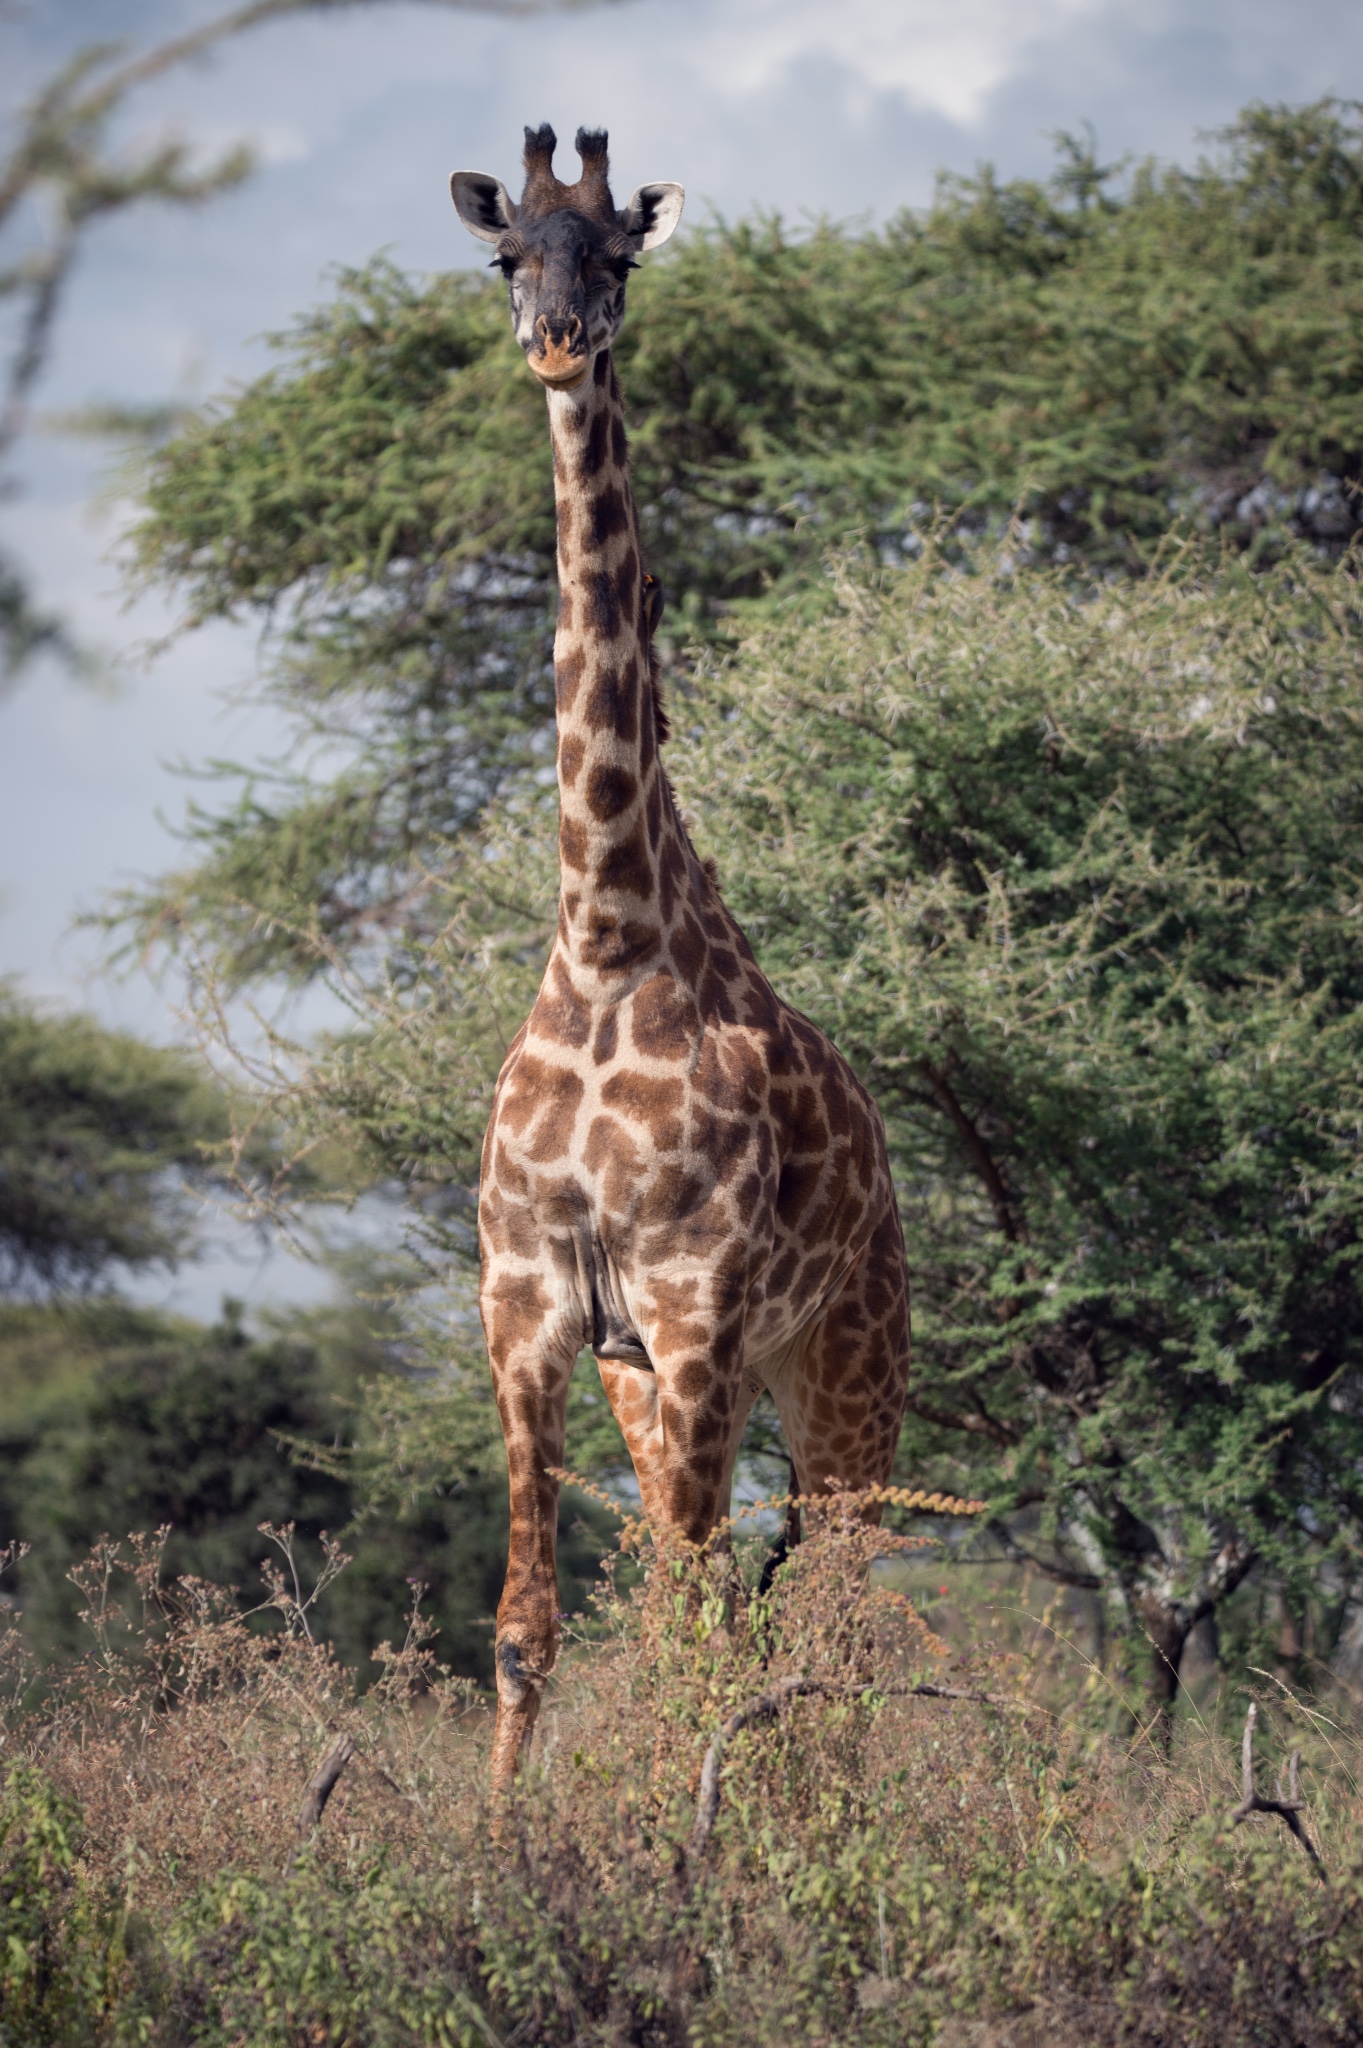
x,y
680,1170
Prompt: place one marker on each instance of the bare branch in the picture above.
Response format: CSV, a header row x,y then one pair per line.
x,y
1235,1559
36,335
294,1604
767,1705
180,49
1063,1574
1287,1809
322,1784
978,1422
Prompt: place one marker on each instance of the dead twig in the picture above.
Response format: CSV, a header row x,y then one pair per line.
x,y
765,1706
321,1786
1287,1808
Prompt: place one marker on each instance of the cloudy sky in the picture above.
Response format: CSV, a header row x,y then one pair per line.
x,y
843,109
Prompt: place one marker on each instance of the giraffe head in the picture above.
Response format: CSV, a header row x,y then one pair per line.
x,y
566,251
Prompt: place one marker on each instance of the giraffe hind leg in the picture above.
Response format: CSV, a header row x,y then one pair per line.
x,y
841,1399
789,1536
684,1483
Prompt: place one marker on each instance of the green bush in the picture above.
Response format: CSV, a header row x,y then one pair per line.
x,y
59,1968
97,1134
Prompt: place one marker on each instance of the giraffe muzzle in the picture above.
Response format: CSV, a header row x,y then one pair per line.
x,y
559,360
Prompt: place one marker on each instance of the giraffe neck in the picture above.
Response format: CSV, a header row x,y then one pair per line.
x,y
624,858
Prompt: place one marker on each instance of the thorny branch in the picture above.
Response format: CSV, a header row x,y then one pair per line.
x,y
1063,1574
978,1422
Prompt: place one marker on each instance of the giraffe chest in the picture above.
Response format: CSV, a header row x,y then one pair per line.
x,y
653,1155
646,1124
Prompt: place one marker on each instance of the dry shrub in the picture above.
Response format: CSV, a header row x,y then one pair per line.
x,y
907,1846
187,1735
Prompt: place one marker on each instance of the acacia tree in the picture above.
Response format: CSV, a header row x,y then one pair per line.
x,y
380,503
1075,879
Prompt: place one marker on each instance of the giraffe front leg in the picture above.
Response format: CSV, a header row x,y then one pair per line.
x,y
532,1344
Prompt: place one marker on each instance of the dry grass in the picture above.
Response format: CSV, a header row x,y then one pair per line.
x,y
884,1866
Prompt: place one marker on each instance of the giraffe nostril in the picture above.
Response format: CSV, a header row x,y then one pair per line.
x,y
558,330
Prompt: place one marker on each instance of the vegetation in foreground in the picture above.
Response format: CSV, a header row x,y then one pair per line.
x,y
913,1849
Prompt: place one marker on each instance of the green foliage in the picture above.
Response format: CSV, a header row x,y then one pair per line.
x,y
375,1957
1091,359
59,1969
1074,879
178,1430
93,1126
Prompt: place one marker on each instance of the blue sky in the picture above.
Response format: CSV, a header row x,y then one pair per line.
x,y
359,116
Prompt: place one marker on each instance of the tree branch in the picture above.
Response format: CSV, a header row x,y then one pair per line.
x,y
767,1705
322,1784
977,1423
181,48
1286,1809
997,1188
1063,1574
1230,1565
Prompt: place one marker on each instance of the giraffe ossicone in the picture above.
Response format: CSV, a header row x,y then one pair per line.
x,y
680,1170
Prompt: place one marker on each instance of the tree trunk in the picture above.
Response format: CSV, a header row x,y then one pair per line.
x,y
1291,1642
1201,1652
1347,1662
1168,1633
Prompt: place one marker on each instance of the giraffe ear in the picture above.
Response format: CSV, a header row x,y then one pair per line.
x,y
652,214
483,204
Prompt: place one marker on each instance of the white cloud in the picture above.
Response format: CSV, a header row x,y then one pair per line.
x,y
943,55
